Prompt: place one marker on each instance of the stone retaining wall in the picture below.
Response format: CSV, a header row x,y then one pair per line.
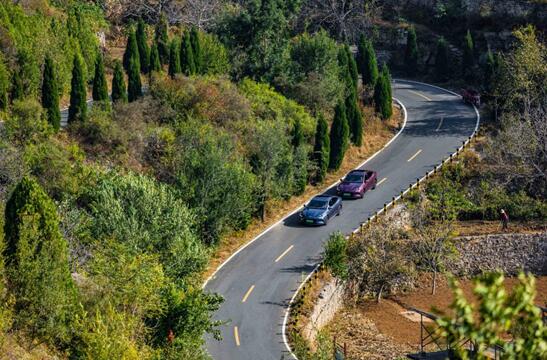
x,y
507,252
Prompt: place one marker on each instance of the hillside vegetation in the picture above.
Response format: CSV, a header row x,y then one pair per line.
x,y
110,220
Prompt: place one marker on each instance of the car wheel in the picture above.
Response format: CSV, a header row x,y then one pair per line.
x,y
339,211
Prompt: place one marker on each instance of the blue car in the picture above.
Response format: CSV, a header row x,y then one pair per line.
x,y
320,209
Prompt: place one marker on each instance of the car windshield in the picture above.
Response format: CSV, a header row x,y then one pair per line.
x,y
354,178
318,204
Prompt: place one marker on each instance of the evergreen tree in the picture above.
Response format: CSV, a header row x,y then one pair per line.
x,y
134,85
468,61
491,68
321,148
131,51
155,62
17,86
368,65
382,95
37,264
77,110
411,52
142,44
162,39
355,119
4,84
196,49
339,137
441,60
352,67
100,87
174,59
187,63
50,94
297,134
119,94
385,71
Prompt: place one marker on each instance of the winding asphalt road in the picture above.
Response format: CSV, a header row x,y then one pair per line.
x,y
259,281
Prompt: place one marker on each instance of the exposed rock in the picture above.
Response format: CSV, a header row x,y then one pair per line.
x,y
509,253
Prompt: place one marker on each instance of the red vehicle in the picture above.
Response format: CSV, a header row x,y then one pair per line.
x,y
471,96
356,183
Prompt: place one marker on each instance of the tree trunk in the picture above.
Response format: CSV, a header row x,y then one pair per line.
x,y
379,297
434,287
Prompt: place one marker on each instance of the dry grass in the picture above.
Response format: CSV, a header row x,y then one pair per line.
x,y
10,348
376,134
483,227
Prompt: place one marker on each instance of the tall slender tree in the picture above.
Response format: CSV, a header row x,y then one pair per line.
x,y
17,86
196,49
142,44
119,93
134,84
174,59
37,264
100,87
321,148
382,95
350,77
162,39
4,84
441,59
50,94
352,67
187,62
490,70
355,119
411,52
155,62
131,50
368,65
77,111
339,137
468,61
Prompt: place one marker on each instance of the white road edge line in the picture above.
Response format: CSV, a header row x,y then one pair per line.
x,y
299,207
288,309
285,319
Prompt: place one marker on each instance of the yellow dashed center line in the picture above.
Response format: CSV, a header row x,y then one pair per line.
x,y
284,253
422,95
236,336
414,156
248,293
381,181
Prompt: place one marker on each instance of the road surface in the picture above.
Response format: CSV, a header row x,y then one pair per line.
x,y
259,281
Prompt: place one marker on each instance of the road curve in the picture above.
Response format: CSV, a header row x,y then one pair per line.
x,y
259,281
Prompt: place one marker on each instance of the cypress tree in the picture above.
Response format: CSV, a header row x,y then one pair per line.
x,y
352,67
4,84
50,94
468,61
411,52
174,59
382,95
297,134
134,85
441,60
387,74
196,49
155,62
131,51
355,119
142,44
321,148
490,70
100,87
37,264
162,39
339,137
77,110
17,86
119,93
187,63
368,65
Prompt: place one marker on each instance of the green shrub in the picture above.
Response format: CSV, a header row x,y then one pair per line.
x,y
27,123
335,256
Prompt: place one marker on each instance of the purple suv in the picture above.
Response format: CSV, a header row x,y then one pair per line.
x,y
356,183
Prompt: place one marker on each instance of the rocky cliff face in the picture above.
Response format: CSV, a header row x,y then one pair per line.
x,y
509,253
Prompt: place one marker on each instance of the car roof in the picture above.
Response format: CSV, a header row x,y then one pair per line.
x,y
358,171
322,197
